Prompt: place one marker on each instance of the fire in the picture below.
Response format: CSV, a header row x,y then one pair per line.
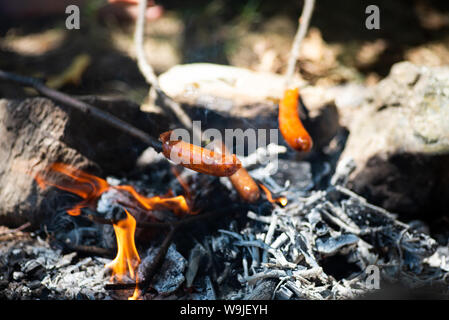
x,y
86,186
177,204
90,188
127,259
281,200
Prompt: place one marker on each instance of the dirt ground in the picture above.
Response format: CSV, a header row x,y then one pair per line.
x,y
253,34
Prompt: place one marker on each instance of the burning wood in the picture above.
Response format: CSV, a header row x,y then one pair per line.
x,y
312,238
86,186
90,188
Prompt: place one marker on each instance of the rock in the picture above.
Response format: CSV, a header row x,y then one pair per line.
x,y
399,140
35,133
230,97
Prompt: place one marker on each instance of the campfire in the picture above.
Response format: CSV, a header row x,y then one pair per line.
x,y
224,183
90,189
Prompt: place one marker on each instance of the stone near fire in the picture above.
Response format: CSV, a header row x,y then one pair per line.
x,y
399,139
230,97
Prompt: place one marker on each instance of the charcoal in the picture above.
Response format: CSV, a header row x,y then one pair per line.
x,y
171,274
284,293
299,173
319,246
210,292
32,266
330,246
195,257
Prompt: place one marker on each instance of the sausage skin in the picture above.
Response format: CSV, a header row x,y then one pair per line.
x,y
290,124
197,158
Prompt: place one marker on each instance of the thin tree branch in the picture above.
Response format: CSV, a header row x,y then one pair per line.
x,y
144,67
91,250
83,107
303,26
148,72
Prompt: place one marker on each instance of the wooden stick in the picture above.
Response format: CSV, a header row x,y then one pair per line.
x,y
92,250
148,72
158,260
157,263
83,107
21,228
152,270
304,21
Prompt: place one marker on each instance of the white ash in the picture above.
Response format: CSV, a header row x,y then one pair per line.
x,y
109,199
85,279
44,273
290,246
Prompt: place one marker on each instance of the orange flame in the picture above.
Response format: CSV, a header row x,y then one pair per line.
x,y
177,204
90,188
281,200
127,259
86,186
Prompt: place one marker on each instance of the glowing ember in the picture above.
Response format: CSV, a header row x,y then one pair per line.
x,y
281,200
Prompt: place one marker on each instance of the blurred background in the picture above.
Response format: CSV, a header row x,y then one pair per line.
x,y
254,34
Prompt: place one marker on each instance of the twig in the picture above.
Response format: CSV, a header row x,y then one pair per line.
x,y
144,67
21,228
83,107
398,246
92,250
340,223
151,272
179,223
147,70
174,226
158,260
304,21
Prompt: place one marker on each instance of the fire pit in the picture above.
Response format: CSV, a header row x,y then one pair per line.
x,y
228,184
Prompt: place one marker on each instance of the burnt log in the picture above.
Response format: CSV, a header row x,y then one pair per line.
x,y
36,132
